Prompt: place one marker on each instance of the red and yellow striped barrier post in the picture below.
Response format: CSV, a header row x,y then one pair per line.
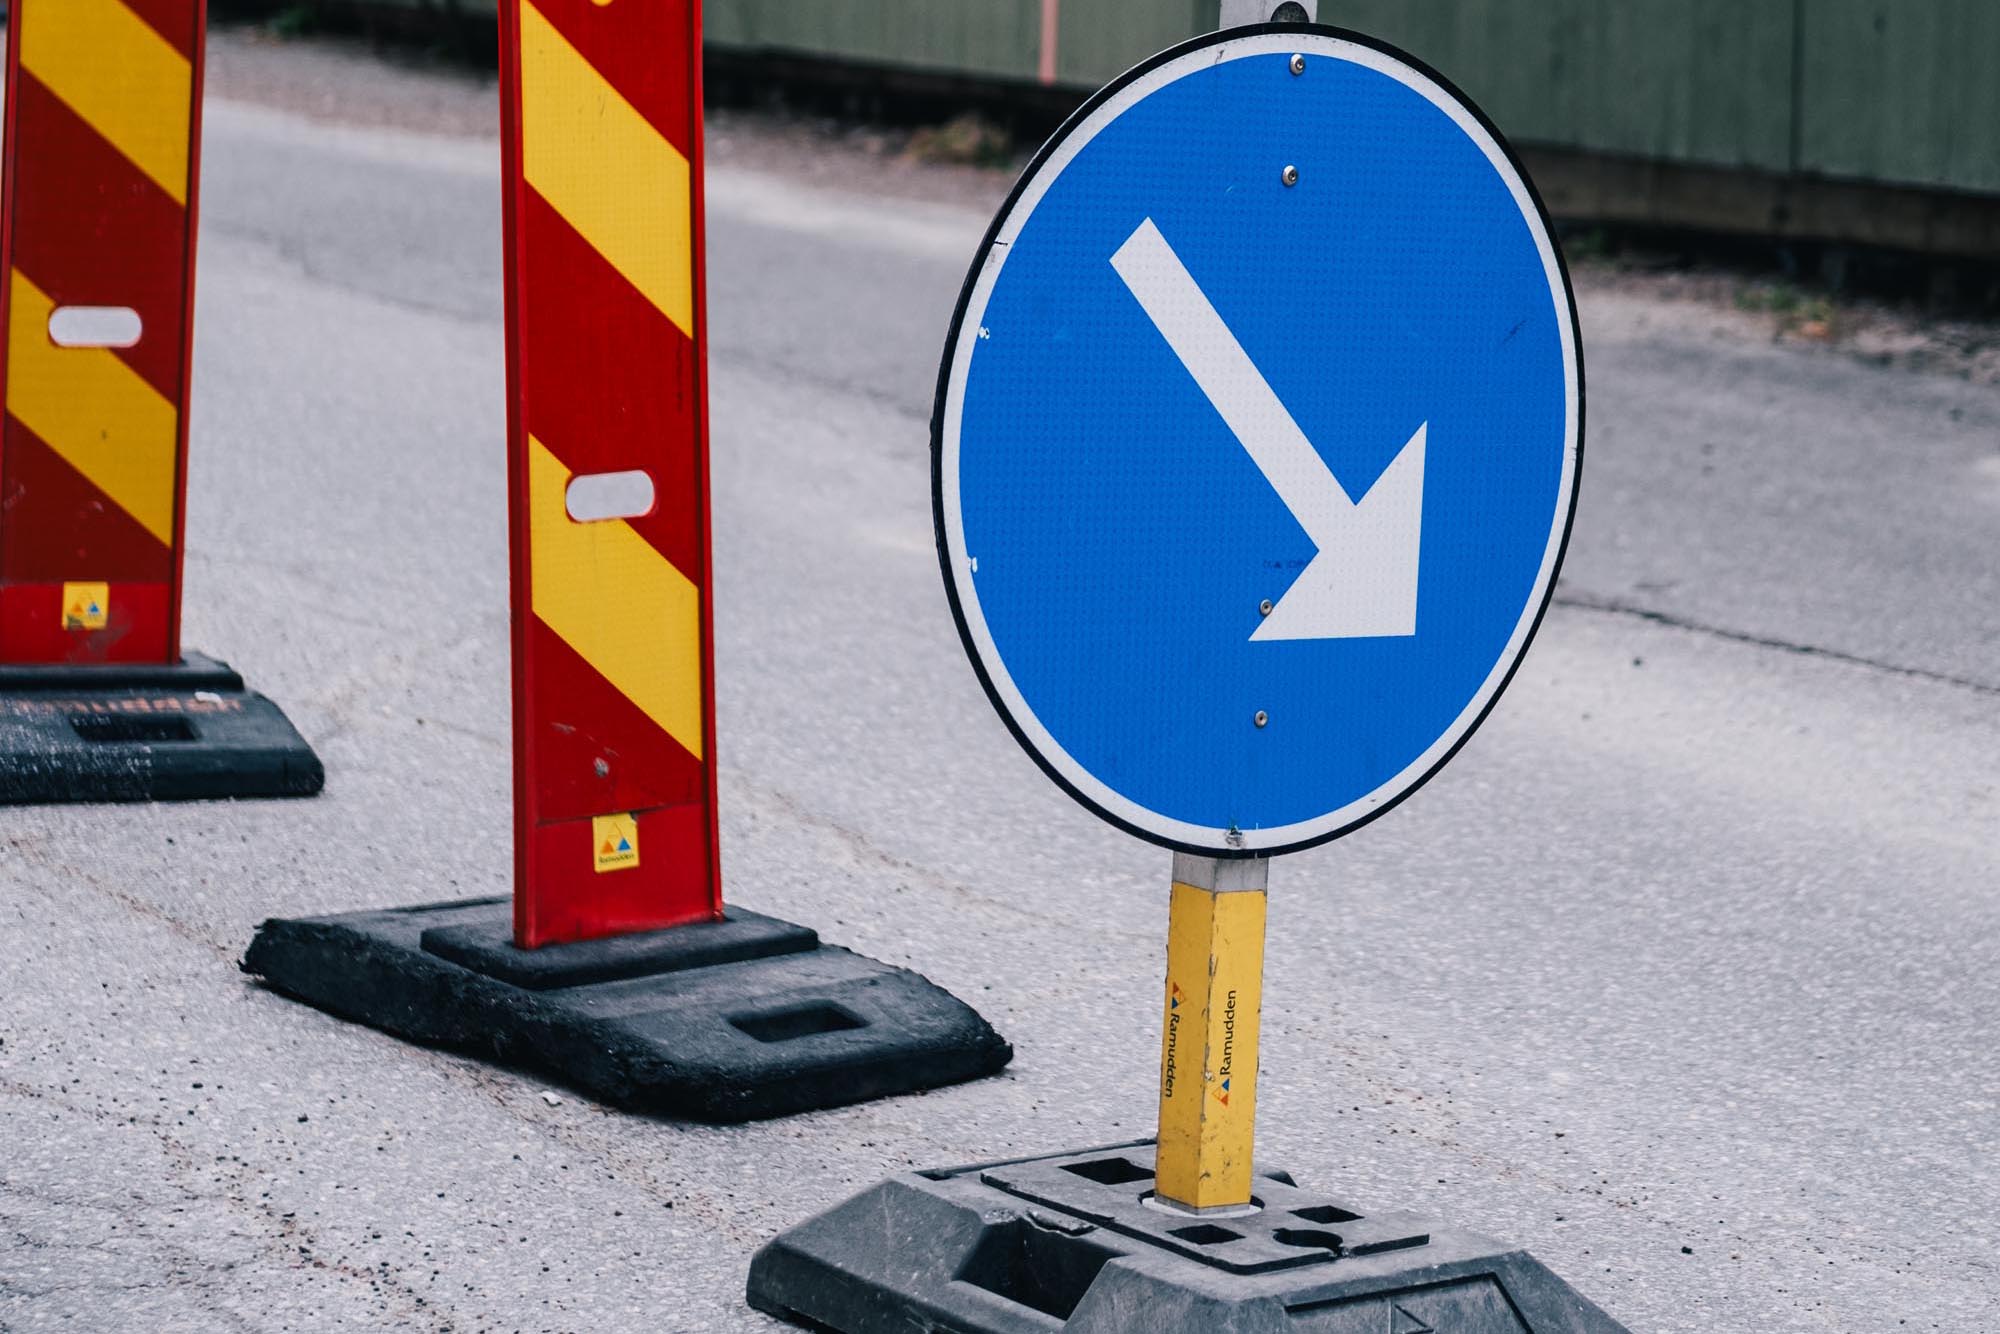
x,y
618,968
613,699
96,294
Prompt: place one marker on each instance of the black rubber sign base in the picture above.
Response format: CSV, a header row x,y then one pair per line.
x,y
133,732
1071,1244
735,1020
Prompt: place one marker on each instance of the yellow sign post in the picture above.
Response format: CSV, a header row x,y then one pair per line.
x,y
1208,1044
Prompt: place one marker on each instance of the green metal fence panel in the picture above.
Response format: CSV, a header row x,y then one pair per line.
x,y
991,38
1100,39
1705,81
1891,92
443,9
1902,91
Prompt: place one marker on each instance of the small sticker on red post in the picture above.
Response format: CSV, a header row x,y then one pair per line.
x,y
86,606
616,839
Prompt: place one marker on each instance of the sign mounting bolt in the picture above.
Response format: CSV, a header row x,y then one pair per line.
x,y
1261,718
1264,607
1298,63
1291,175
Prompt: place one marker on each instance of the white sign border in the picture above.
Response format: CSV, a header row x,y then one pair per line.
x,y
1095,116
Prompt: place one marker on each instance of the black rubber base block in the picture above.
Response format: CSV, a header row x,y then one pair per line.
x,y
723,1021
133,732
1070,1243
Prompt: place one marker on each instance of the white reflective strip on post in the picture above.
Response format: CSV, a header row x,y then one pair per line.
x,y
95,326
594,497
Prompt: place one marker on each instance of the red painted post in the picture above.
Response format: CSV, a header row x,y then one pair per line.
x,y
614,775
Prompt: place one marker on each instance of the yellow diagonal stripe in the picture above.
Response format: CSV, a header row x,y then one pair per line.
x,y
606,170
617,601
118,74
94,410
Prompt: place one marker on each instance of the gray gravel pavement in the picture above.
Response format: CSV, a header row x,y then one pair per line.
x,y
1682,975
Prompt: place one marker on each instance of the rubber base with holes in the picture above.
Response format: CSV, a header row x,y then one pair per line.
x,y
735,1020
1071,1243
134,732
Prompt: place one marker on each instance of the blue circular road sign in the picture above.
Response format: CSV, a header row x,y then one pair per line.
x,y
1257,439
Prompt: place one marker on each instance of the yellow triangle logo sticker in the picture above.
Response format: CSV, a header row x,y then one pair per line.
x,y
616,841
84,606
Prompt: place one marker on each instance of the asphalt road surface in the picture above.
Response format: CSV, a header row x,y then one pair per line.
x,y
1685,975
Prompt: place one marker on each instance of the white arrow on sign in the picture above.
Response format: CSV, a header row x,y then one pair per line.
x,y
1362,583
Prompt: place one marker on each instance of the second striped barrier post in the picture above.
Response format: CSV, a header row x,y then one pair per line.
x,y
617,965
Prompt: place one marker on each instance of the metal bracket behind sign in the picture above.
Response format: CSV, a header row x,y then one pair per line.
x,y
1242,13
